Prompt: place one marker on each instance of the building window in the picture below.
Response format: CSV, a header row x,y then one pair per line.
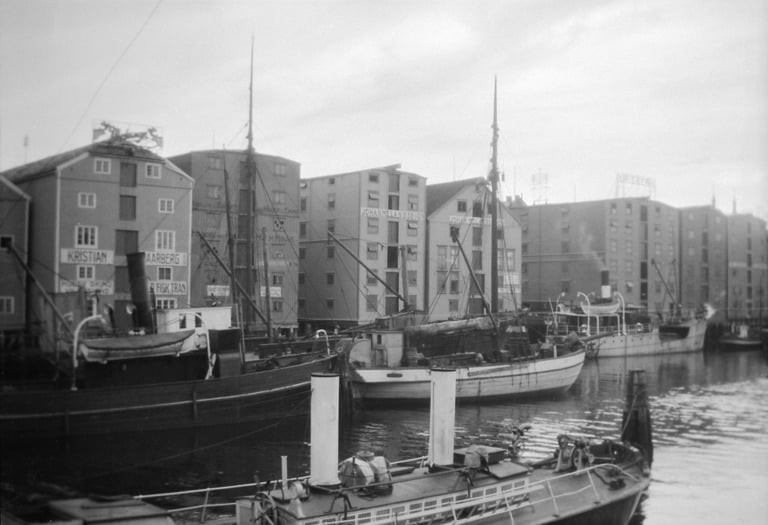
x,y
165,303
613,245
524,248
302,304
413,229
127,175
628,247
302,253
413,182
372,253
413,202
302,229
412,278
565,286
277,305
524,267
277,279
477,236
442,257
86,200
629,208
301,278
411,252
373,199
214,191
329,304
153,171
331,201
453,306
332,181
371,301
280,169
6,305
215,163
373,178
165,240
613,208
330,252
86,236
165,205
564,267
164,273
394,182
86,271
477,259
461,206
477,209
102,166
373,225
453,283
371,279
6,241
331,226
126,241
303,204
279,197
393,202
628,267
127,208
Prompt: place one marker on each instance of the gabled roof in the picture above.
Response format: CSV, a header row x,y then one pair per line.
x,y
439,194
105,148
22,195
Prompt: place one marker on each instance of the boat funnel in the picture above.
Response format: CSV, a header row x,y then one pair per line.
x,y
442,416
140,297
324,432
605,285
636,419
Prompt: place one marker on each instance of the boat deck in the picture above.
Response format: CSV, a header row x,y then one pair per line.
x,y
507,492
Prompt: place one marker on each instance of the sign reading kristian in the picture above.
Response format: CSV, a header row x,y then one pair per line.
x,y
82,256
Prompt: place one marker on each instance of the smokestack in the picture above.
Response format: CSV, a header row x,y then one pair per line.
x,y
605,286
324,431
442,416
140,290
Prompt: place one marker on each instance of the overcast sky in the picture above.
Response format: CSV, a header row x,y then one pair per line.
x,y
675,91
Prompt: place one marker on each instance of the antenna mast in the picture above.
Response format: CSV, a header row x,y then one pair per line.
x,y
494,178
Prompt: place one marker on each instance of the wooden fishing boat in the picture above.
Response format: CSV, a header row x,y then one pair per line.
x,y
152,389
739,338
383,370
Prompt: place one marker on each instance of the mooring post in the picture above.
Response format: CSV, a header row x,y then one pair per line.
x,y
636,420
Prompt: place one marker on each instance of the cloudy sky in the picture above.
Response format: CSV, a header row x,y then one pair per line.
x,y
675,92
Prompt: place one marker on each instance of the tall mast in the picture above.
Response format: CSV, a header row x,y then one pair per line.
x,y
251,196
494,178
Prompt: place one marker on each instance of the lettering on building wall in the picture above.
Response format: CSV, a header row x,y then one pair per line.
x,y
90,285
274,291
79,256
395,214
165,259
217,290
463,219
169,287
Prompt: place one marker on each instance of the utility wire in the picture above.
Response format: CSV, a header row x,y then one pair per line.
x,y
109,74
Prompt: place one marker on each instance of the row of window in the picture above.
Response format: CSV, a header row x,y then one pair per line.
x,y
127,204
88,272
126,241
215,162
102,166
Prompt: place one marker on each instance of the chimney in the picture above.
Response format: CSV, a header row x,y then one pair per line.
x,y
605,286
137,274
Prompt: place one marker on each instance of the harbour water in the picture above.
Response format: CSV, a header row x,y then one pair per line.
x,y
710,417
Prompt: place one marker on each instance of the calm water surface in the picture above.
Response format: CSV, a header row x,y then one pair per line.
x,y
710,416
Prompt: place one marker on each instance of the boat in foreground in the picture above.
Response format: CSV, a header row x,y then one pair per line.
x,y
381,370
596,481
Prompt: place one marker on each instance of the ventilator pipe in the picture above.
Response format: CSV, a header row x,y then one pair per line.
x,y
324,432
442,416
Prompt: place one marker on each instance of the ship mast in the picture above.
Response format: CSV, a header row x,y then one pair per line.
x,y
493,176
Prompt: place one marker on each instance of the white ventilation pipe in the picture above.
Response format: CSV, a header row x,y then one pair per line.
x,y
442,416
324,432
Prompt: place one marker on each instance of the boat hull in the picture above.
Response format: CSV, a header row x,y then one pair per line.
x,y
647,343
248,397
526,377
